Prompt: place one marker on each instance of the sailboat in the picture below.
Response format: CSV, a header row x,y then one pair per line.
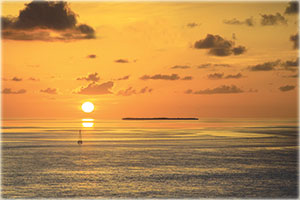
x,y
80,138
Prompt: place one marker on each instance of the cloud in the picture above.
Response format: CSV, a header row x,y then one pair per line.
x,y
16,79
221,65
180,67
130,91
234,76
223,89
202,66
218,46
49,91
192,25
90,77
33,79
47,21
292,8
267,66
97,89
286,88
234,21
295,40
91,56
123,78
215,76
291,65
187,78
121,61
270,20
9,91
161,77
239,50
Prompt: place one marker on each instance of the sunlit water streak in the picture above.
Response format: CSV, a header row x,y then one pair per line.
x,y
149,159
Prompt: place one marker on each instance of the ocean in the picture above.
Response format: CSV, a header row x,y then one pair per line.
x,y
208,158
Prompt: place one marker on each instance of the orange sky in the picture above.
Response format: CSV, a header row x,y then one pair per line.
x,y
141,60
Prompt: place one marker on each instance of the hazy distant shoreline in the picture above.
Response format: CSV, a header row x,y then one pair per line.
x,y
158,118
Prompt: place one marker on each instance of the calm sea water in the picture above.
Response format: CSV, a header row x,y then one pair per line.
x,y
210,158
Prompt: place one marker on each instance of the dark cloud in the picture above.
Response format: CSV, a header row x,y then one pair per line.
x,y
90,77
123,78
221,65
239,50
97,89
130,91
180,67
252,90
218,46
91,56
291,65
220,51
121,61
33,79
161,77
295,40
291,76
9,91
267,66
286,88
234,76
204,66
16,79
234,21
223,89
215,76
192,25
49,91
187,78
292,8
270,20
39,18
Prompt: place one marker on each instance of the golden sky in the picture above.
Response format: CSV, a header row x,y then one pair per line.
x,y
149,59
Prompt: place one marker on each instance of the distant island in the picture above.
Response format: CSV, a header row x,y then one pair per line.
x,y
158,118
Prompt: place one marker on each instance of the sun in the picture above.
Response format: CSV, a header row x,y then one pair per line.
x,y
87,107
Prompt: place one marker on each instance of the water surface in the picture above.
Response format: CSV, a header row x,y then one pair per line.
x,y
215,158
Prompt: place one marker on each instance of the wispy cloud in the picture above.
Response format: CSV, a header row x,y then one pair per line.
x,y
286,88
180,67
123,78
10,91
130,91
16,79
122,61
97,89
49,91
267,66
192,25
234,21
223,89
295,40
91,56
215,76
171,77
271,20
291,65
90,77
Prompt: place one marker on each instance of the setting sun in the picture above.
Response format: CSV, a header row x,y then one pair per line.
x,y
87,107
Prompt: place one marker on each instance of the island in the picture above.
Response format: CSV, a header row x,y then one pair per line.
x,y
159,118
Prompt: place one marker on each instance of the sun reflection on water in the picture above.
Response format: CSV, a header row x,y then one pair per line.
x,y
87,123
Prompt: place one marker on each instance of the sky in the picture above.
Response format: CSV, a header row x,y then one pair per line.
x,y
150,59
